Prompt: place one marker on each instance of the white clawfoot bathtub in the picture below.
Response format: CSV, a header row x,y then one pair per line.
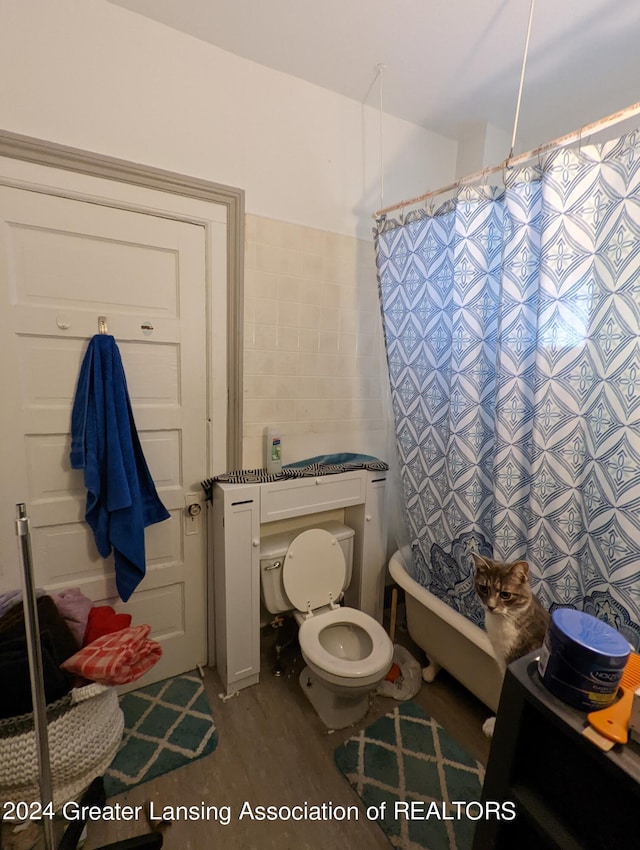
x,y
448,638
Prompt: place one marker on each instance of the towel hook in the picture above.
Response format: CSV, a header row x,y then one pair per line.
x,y
102,325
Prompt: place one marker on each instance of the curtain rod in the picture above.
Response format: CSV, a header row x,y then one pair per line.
x,y
510,161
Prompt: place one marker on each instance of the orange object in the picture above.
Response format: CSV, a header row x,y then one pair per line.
x,y
394,673
613,721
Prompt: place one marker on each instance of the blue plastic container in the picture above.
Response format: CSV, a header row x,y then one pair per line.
x,y
582,659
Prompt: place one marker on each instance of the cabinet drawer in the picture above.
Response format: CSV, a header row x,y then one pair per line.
x,y
310,495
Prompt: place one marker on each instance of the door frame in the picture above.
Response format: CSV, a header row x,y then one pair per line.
x,y
74,160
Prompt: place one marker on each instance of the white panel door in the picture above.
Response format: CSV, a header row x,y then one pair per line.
x,y
63,263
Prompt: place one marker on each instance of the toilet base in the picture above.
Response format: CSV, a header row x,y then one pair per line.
x,y
336,711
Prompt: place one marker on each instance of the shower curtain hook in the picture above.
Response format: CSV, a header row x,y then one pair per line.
x,y
581,139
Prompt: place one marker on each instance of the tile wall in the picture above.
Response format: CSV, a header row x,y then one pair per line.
x,y
313,344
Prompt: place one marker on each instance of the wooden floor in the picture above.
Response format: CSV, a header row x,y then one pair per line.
x,y
274,750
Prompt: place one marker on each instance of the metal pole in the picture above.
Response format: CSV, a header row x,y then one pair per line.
x,y
562,141
34,650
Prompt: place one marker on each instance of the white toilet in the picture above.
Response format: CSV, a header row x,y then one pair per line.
x,y
346,651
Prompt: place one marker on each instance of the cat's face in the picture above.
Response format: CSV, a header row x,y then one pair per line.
x,y
502,588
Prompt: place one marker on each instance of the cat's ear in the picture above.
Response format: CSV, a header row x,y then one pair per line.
x,y
520,570
480,562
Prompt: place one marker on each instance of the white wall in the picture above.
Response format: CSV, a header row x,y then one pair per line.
x,y
481,145
95,76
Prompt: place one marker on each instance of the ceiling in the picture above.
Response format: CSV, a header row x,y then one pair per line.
x,y
450,64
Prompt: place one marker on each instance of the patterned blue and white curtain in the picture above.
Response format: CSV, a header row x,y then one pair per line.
x,y
512,327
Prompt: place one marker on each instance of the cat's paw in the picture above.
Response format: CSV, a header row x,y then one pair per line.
x,y
488,727
429,673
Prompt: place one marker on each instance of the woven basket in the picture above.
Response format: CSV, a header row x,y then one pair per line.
x,y
84,729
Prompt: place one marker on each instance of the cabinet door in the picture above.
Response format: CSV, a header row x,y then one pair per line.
x,y
369,521
237,585
301,496
374,555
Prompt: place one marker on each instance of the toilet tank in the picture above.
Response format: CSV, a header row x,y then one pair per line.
x,y
273,548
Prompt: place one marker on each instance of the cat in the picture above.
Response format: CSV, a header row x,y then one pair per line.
x,y
515,620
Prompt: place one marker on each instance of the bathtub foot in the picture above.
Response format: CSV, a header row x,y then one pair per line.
x,y
431,671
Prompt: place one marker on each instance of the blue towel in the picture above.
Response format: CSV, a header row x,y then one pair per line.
x,y
121,496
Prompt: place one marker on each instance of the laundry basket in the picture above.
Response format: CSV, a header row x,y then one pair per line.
x,y
84,730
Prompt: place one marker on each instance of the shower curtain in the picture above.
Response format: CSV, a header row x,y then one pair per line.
x,y
512,331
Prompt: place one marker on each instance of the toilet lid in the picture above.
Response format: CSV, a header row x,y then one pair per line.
x,y
313,569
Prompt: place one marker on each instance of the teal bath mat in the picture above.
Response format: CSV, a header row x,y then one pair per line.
x,y
406,758
167,725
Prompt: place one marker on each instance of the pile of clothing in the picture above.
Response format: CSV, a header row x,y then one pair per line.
x,y
81,642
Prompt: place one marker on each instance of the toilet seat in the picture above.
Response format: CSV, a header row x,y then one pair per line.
x,y
378,659
314,570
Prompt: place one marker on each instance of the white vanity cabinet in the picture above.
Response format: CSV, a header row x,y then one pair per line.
x,y
239,512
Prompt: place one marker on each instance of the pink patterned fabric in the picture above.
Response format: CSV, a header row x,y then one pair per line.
x,y
117,658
